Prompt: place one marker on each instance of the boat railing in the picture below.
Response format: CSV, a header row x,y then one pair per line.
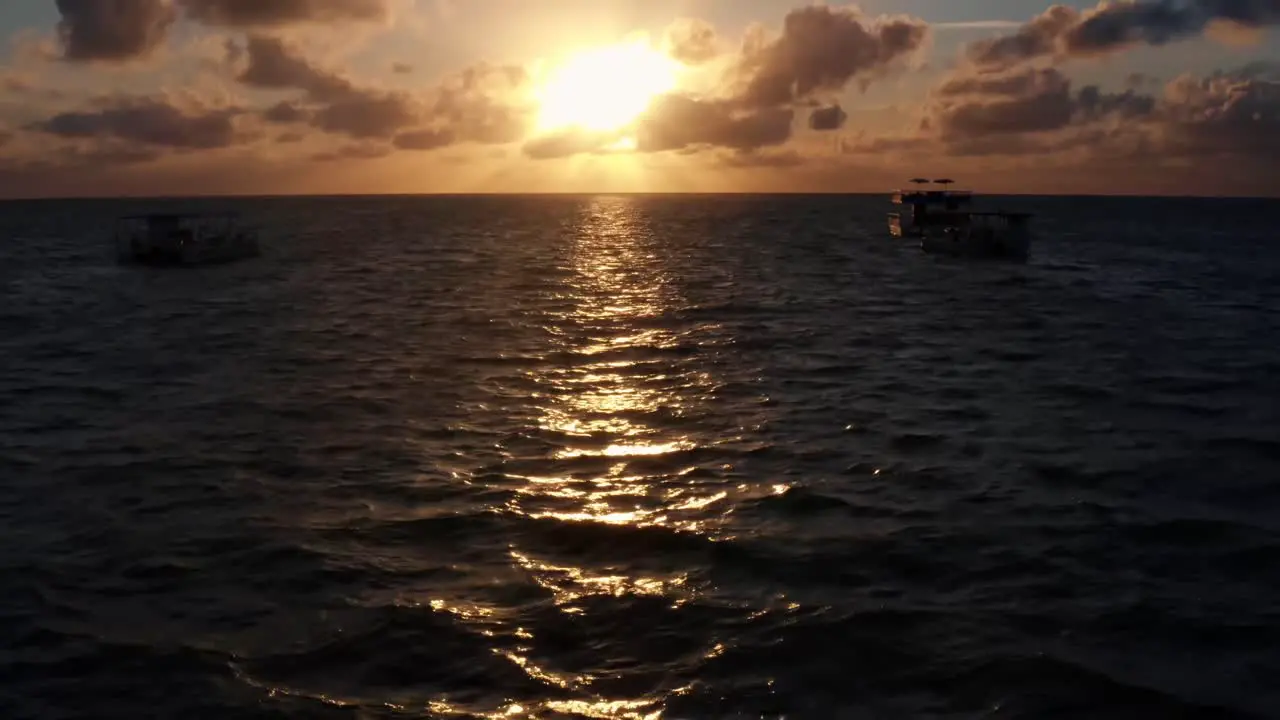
x,y
903,197
195,226
1000,218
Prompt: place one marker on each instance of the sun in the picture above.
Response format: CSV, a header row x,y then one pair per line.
x,y
604,89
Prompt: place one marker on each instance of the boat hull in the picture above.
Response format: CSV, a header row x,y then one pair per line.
x,y
211,250
979,243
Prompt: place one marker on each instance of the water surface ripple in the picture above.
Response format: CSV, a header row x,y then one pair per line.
x,y
619,457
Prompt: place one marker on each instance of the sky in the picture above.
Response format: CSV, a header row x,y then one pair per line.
x,y
212,97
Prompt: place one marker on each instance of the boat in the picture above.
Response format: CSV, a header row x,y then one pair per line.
x,y
946,224
1001,235
178,239
928,208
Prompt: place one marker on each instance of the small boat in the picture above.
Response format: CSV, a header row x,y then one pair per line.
x,y
177,239
929,208
1003,235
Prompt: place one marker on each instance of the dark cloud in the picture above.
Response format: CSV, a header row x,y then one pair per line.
x,y
1037,38
1257,70
691,41
112,30
343,108
19,85
1220,131
284,113
675,122
401,68
1221,115
468,107
1137,81
148,121
424,139
259,13
822,49
1063,32
364,151
1092,103
1031,101
275,65
1028,82
368,114
828,118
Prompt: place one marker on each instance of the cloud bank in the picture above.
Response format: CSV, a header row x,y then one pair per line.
x,y
1062,32
783,99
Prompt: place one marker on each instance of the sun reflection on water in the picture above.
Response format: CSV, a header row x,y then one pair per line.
x,y
621,290
611,401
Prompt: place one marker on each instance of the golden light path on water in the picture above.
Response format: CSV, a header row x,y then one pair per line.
x,y
620,291
610,398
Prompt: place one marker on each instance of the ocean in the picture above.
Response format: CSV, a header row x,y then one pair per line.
x,y
641,457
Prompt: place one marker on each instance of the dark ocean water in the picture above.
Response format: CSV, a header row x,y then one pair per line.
x,y
627,457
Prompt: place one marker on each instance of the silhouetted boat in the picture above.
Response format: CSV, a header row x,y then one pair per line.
x,y
945,224
1004,235
928,208
175,239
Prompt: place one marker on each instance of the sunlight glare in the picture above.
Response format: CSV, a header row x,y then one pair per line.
x,y
605,89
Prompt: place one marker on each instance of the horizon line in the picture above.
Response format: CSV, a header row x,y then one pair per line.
x,y
566,194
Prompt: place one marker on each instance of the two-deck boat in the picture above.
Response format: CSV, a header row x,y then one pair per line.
x,y
945,224
183,239
928,208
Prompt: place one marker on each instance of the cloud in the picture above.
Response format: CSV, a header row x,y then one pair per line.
x,y
275,65
400,68
344,108
751,159
148,121
568,142
368,114
365,151
828,118
691,41
484,103
471,106
675,122
285,113
1062,32
1259,70
424,139
1224,114
1216,133
1030,101
1033,101
821,49
113,31
260,13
